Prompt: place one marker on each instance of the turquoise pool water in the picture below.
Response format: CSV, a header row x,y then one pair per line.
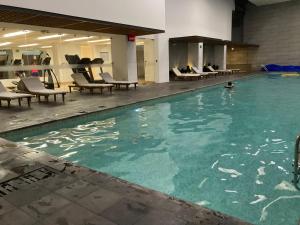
x,y
226,150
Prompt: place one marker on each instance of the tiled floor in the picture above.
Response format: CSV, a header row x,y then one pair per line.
x,y
39,189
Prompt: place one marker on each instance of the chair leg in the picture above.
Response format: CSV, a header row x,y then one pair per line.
x,y
8,103
63,97
54,98
28,101
135,86
19,100
127,87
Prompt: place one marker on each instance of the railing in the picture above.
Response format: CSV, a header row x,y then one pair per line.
x,y
296,162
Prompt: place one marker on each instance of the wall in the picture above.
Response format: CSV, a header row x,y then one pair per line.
x,y
210,18
240,58
178,55
275,28
144,13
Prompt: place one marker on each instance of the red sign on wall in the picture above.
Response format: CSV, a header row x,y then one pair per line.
x,y
131,37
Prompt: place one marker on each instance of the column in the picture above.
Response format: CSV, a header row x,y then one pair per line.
x,y
162,58
123,54
195,55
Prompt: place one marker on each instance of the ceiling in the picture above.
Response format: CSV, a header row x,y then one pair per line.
x,y
266,2
16,15
33,38
211,41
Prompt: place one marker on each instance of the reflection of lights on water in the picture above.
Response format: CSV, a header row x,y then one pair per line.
x,y
68,155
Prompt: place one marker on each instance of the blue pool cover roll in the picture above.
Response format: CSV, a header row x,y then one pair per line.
x,y
279,68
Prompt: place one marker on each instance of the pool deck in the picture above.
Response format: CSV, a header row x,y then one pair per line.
x,y
39,189
17,117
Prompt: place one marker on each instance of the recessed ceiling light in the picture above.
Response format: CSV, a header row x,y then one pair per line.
x,y
48,46
13,34
78,38
100,40
5,43
28,45
51,36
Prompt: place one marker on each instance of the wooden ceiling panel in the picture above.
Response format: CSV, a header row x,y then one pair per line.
x,y
13,17
47,21
87,26
211,41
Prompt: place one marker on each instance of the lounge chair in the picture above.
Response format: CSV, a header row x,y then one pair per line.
x,y
235,70
219,71
109,80
178,74
34,86
8,96
196,70
83,83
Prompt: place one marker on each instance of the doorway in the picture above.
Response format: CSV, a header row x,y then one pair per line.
x,y
146,63
140,58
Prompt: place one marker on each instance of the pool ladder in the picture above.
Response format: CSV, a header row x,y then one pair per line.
x,y
296,162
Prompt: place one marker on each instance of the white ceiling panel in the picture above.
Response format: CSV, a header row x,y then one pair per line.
x,y
266,2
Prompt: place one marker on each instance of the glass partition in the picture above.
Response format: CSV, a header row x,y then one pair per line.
x,y
36,52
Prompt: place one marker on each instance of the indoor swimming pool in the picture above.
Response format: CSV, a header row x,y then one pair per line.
x,y
228,150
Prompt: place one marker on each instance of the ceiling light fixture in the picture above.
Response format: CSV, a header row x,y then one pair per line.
x,y
18,33
5,43
78,38
28,45
48,46
51,36
100,40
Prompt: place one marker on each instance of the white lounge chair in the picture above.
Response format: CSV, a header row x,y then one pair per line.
x,y
219,71
235,70
196,70
109,80
83,83
8,96
187,75
34,86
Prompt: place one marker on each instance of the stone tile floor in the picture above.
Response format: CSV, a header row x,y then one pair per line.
x,y
39,189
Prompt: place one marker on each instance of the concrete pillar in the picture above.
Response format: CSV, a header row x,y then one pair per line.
x,y
225,58
162,58
195,55
123,54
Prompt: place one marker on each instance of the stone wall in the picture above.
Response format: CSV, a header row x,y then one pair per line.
x,y
276,28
